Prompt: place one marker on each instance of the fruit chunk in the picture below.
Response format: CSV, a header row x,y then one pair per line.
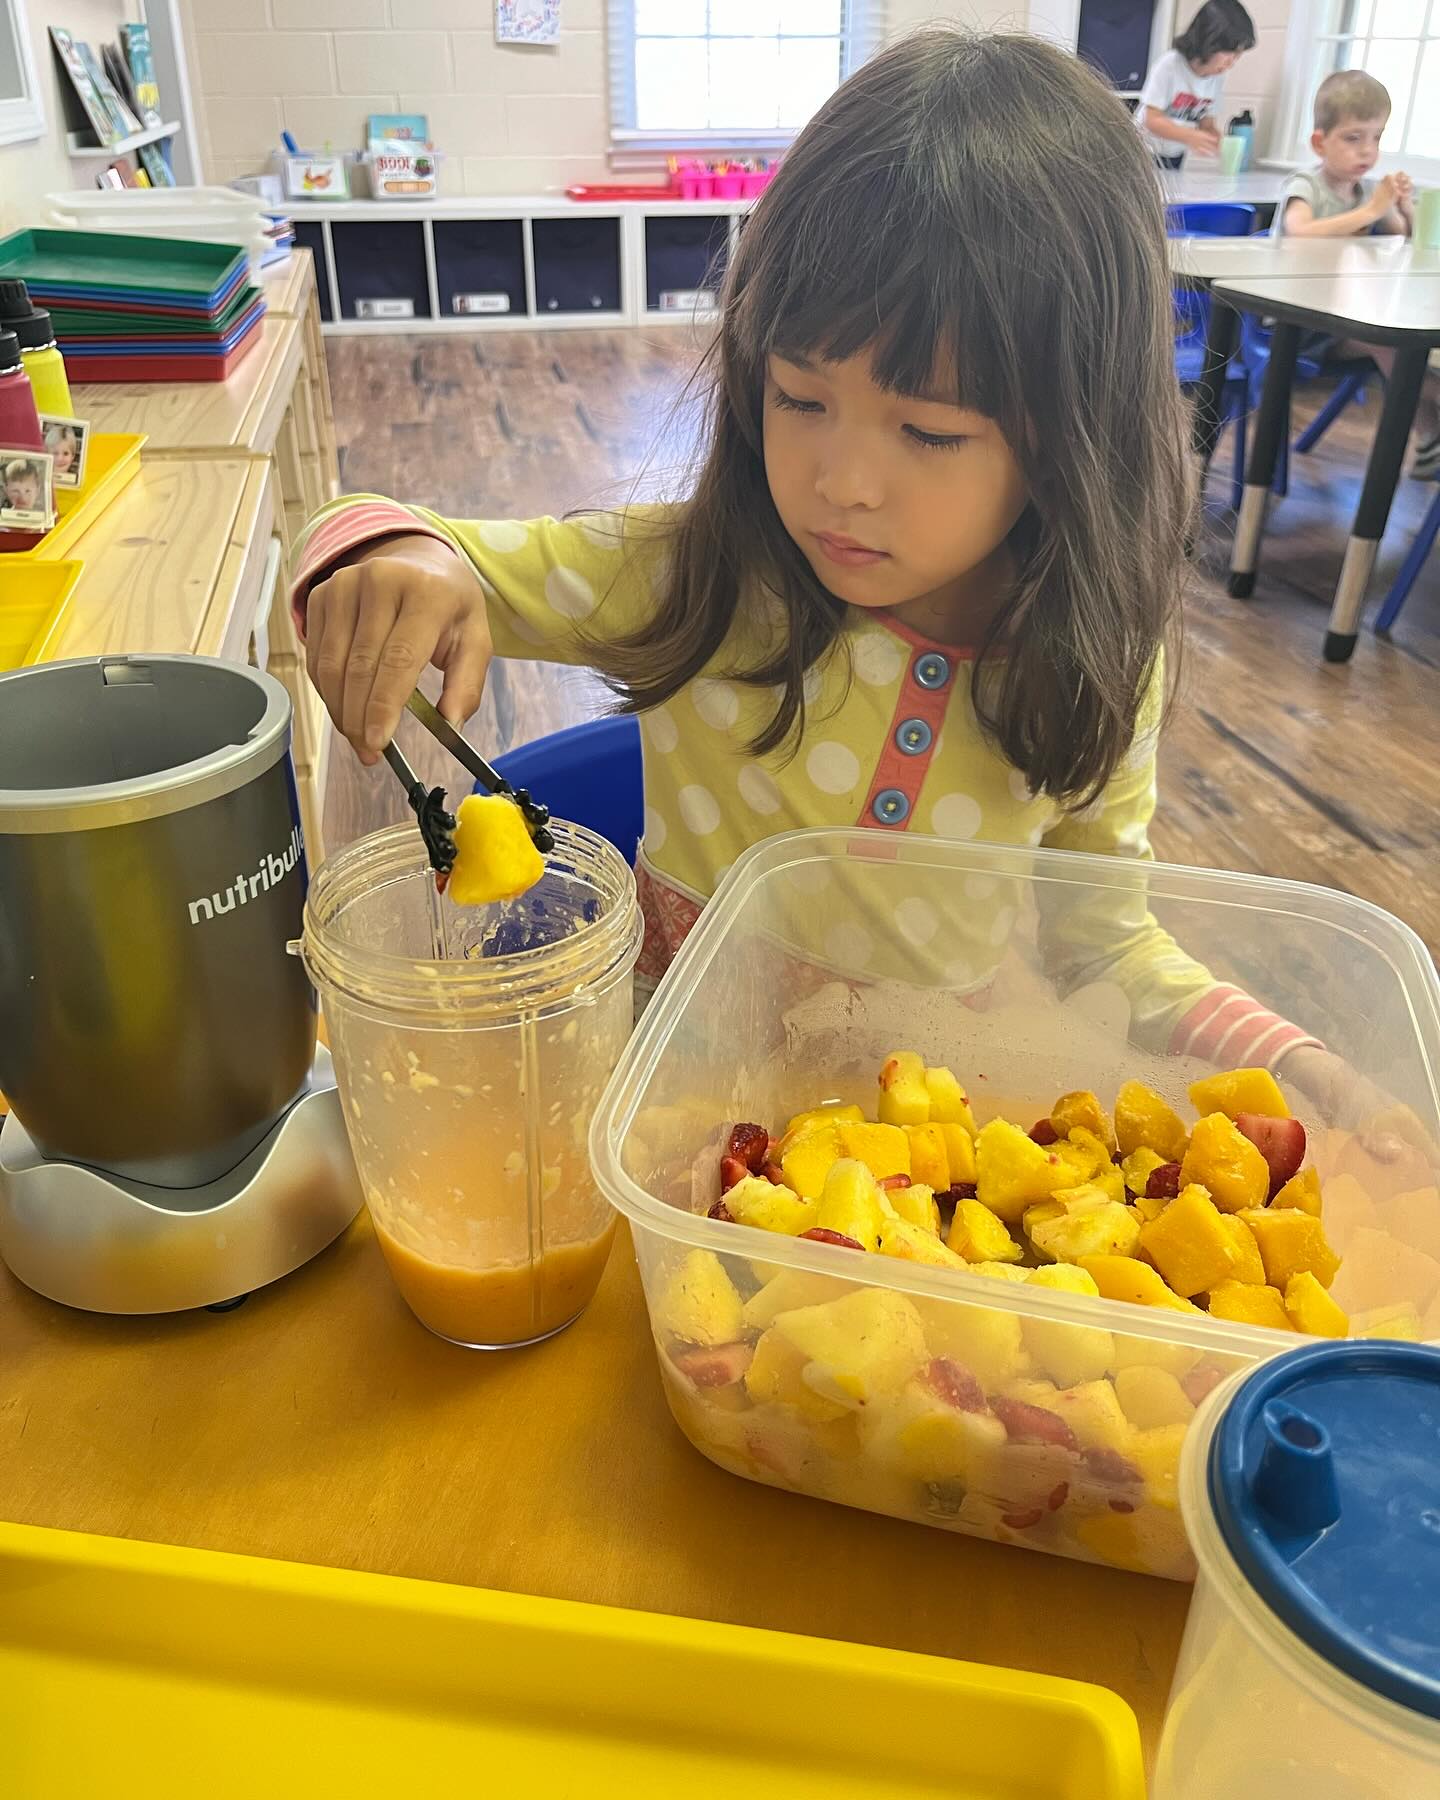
x,y
1380,1270
959,1152
949,1103
784,1292
914,1243
1311,1309
1164,1182
883,1149
1155,1452
756,1201
1011,1172
1239,1091
933,1430
850,1204
866,1344
1144,1121
1090,1225
495,856
915,1202
1152,1397
720,1366
1067,1353
1247,1304
1149,1541
1085,1154
929,1159
1189,1244
978,1236
1398,1321
904,1096
1225,1163
809,1159
1302,1190
1083,1109
699,1303
1126,1278
1291,1240
1138,1167
1280,1141
822,1115
1093,1414
1251,1266
982,1338
776,1374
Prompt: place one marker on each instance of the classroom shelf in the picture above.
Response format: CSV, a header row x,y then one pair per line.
x,y
84,144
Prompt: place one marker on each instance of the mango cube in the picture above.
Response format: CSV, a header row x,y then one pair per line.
x,y
699,1303
1150,1208
1302,1190
978,1236
1012,1170
929,1158
1246,1304
949,1103
1312,1310
807,1160
1151,1398
1189,1244
959,1152
756,1201
1084,1110
1068,1354
1224,1162
884,1149
850,1204
1155,1452
1126,1278
1291,1240
904,1097
868,1343
1143,1121
1251,1266
916,1243
495,856
1239,1091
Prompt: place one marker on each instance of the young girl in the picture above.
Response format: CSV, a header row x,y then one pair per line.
x,y
931,559
1177,105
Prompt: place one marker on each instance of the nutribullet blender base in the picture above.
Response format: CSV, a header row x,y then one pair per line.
x,y
105,1245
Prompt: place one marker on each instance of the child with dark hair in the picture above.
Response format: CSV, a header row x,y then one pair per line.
x,y
1177,107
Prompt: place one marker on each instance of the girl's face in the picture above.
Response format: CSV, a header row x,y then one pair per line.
x,y
896,502
1218,63
63,450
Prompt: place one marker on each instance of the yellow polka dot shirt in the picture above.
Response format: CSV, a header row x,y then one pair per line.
x,y
891,742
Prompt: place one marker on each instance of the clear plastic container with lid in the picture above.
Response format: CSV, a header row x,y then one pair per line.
x,y
471,1045
825,951
1310,1668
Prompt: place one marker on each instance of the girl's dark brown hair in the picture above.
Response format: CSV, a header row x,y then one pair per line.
x,y
983,206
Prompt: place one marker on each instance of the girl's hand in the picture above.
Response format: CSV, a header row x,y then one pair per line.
x,y
377,620
1384,1127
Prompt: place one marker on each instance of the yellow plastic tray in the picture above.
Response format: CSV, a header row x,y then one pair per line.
x,y
112,459
132,1670
33,596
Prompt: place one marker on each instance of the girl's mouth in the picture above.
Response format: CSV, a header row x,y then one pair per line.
x,y
848,552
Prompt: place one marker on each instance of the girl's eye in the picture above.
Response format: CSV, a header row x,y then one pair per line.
x,y
935,440
789,403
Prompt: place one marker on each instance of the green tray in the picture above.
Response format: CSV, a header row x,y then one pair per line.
x,y
109,259
71,324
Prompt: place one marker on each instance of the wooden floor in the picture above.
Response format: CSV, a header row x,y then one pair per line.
x,y
1275,761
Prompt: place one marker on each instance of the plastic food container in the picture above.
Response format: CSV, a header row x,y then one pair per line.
x,y
823,952
1310,1668
471,1045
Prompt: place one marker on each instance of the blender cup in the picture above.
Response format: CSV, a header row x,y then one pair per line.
x,y
1310,1488
471,1045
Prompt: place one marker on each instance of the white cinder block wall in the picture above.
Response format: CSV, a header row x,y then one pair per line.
x,y
510,119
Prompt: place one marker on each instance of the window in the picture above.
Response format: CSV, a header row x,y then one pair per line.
x,y
1396,41
21,114
729,74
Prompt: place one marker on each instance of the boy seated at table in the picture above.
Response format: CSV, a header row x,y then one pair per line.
x,y
1335,200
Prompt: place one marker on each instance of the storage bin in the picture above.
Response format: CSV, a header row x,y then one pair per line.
x,y
380,269
310,235
479,267
684,254
577,265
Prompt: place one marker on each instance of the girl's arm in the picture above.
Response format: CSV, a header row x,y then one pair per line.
x,y
1190,137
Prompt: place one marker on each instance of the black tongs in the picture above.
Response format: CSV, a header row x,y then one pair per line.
x,y
437,826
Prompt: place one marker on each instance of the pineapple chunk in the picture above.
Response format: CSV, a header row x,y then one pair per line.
x,y
1381,1270
904,1096
1084,1110
1085,1155
819,1116
1239,1091
775,1374
949,1104
1067,1353
1089,1226
1111,1183
884,1149
1302,1190
914,1243
1126,1278
927,1439
784,1292
1144,1121
982,1338
1398,1321
1144,1353
1093,1413
1012,1171
1000,1271
1139,1166
929,1159
809,1159
1149,1208
1246,1304
915,1203
1224,1162
959,1152
867,1344
1189,1244
851,1204
978,1236
1155,1452
699,1303
1151,1398
1251,1266
1312,1310
756,1201
1291,1240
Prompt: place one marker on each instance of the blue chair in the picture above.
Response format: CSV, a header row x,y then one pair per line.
x,y
591,774
1424,542
1210,218
1192,311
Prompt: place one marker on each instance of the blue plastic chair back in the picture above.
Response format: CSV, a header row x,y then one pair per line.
x,y
1210,218
591,774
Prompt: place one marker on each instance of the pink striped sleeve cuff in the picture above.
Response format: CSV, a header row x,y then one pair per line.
x,y
345,530
1227,1026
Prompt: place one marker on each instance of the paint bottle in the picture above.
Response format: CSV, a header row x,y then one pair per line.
x,y
43,362
19,421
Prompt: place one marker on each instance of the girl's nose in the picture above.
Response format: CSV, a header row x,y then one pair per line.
x,y
845,479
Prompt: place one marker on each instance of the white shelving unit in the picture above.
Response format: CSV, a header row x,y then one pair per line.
x,y
634,244
82,144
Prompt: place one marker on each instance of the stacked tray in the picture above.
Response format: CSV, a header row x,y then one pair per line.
x,y
139,308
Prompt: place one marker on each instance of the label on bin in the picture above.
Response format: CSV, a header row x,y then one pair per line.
x,y
1325,1479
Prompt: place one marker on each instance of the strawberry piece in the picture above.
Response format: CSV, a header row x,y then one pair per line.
x,y
1164,1182
1201,1381
962,1190
1059,1496
1110,1466
1027,1424
1122,1506
774,1174
893,1181
732,1173
1043,1132
720,1366
955,1385
721,1211
1022,1521
819,1235
442,880
1280,1141
750,1144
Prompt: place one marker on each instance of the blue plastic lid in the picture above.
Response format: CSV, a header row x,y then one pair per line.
x,y
1325,1479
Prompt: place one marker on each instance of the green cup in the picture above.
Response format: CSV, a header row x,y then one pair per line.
x,y
1427,218
1232,154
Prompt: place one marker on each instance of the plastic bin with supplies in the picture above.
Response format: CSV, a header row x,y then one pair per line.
x,y
821,953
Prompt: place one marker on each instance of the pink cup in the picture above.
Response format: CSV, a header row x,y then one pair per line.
x,y
752,186
729,187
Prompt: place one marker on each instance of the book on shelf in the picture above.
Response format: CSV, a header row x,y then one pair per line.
x,y
135,41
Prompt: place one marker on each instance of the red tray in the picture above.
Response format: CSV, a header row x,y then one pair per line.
x,y
164,368
621,191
